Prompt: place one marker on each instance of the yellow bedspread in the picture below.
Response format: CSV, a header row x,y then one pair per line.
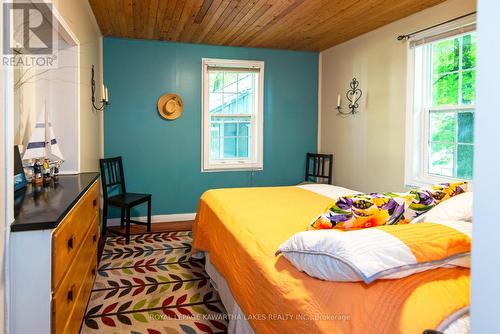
x,y
242,229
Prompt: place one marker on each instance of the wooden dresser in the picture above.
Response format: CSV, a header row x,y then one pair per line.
x,y
54,255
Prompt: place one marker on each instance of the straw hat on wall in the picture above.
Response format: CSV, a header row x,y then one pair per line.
x,y
170,106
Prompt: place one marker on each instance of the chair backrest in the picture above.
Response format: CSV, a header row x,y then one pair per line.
x,y
319,168
112,175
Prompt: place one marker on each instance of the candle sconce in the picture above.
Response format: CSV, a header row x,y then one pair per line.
x,y
105,100
353,95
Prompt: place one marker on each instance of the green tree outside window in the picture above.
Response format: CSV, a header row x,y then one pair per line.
x,y
451,137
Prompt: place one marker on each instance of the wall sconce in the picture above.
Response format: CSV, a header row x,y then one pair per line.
x,y
105,101
353,95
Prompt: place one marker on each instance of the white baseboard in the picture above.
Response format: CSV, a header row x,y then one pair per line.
x,y
177,217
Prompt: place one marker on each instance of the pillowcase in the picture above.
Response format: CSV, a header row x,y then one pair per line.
x,y
377,209
364,210
456,208
424,199
384,252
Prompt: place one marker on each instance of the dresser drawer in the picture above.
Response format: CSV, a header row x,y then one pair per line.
x,y
74,320
69,236
71,297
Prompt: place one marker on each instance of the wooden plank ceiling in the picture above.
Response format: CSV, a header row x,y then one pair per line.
x,y
312,25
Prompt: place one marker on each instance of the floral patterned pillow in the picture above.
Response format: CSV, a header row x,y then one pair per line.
x,y
363,211
426,198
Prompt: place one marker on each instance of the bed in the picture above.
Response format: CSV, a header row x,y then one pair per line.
x,y
240,230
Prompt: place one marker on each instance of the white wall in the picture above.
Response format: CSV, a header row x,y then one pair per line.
x,y
369,147
57,90
79,136
6,182
64,105
3,189
486,228
80,18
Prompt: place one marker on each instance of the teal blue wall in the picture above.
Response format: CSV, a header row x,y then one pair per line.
x,y
163,157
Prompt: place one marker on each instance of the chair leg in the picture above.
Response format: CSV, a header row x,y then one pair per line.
x,y
149,215
127,227
122,217
104,219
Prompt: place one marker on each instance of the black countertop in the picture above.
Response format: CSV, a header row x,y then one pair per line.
x,y
43,207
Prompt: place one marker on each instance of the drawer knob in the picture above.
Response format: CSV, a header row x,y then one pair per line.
x,y
94,203
94,237
70,295
71,242
93,271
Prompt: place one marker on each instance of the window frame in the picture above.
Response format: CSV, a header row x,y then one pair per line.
x,y
256,134
417,141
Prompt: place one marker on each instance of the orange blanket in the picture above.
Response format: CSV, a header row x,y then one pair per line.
x,y
242,229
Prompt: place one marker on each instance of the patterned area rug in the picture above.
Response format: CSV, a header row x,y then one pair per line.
x,y
152,285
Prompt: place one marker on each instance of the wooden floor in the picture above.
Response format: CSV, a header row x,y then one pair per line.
x,y
156,227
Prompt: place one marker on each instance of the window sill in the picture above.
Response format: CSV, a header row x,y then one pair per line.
x,y
216,168
429,180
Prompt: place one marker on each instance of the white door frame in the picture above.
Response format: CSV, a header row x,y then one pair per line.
x,y
6,184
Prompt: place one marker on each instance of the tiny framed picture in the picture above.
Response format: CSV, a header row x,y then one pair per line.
x,y
19,177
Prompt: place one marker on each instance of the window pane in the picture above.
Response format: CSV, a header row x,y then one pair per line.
x,y
215,140
230,129
229,148
465,127
215,147
245,103
229,106
465,155
445,56
231,92
445,89
246,92
468,87
215,81
230,82
469,51
243,147
230,98
215,128
242,119
245,81
442,126
230,137
244,129
215,103
441,159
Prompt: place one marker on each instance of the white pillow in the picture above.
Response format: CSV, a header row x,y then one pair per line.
x,y
458,207
389,251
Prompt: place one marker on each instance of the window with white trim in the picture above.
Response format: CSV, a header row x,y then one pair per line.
x,y
440,122
232,123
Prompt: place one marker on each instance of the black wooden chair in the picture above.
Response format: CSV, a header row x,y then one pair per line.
x,y
319,168
113,179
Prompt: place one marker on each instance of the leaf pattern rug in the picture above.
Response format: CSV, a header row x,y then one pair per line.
x,y
151,286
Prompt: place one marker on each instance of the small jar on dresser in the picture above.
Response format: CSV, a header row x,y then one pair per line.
x,y
53,254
